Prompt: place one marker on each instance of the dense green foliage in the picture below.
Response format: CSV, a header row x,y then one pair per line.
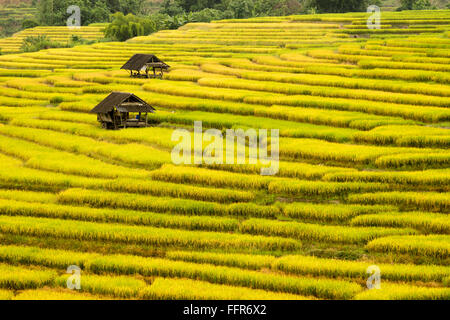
x,y
54,12
125,27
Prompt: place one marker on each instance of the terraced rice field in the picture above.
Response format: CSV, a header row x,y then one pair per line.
x,y
62,35
364,164
12,17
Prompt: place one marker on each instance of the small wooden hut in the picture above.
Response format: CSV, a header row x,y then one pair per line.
x,y
114,112
141,66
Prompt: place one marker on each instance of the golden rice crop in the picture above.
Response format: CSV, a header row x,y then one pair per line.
x,y
28,196
32,179
245,261
446,282
390,291
52,258
53,294
322,288
33,209
437,246
414,160
68,229
426,222
323,91
203,176
120,286
371,64
18,278
148,203
6,294
414,136
433,178
165,189
139,155
322,188
185,289
316,232
130,265
150,135
330,151
330,212
45,158
308,265
432,201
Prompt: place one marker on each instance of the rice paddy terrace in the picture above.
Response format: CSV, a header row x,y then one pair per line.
x,y
62,35
364,164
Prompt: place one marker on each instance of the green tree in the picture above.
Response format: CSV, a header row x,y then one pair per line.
x,y
29,23
124,27
54,12
45,11
415,5
340,5
242,8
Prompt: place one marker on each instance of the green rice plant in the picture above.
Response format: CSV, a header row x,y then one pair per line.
x,y
322,188
390,291
314,266
330,212
437,246
433,201
67,229
47,210
244,261
53,294
316,232
185,289
119,287
426,222
18,278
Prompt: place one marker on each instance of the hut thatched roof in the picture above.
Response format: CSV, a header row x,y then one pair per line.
x,y
124,102
138,61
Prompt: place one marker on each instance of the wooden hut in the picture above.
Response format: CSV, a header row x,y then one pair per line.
x,y
114,111
141,65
